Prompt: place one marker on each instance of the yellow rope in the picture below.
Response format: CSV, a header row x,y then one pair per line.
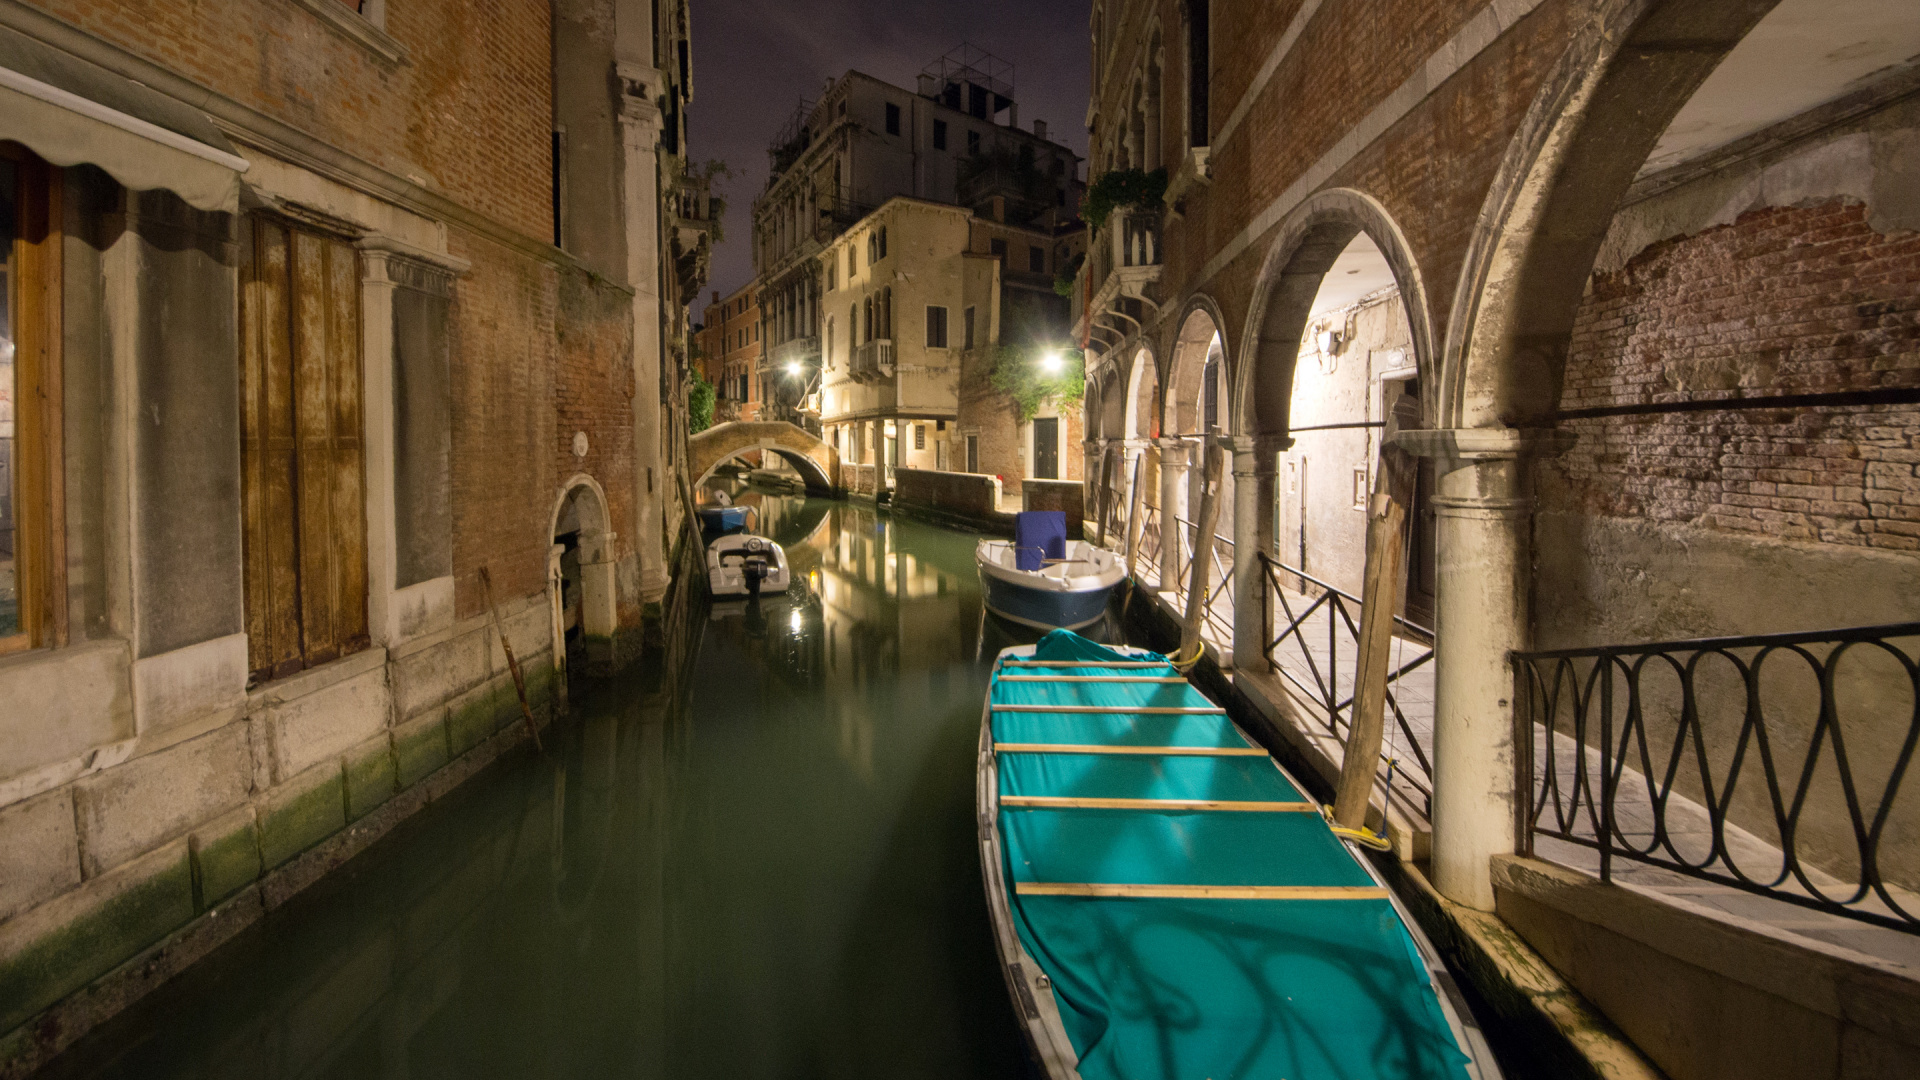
x,y
1199,650
1363,836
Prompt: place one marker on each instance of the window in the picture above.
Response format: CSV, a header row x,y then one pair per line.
x,y
893,119
833,273
973,142
997,247
973,453
966,328
867,334
1210,390
826,352
301,461
1198,17
1036,259
939,134
884,314
883,241
936,327
28,302
853,326
919,436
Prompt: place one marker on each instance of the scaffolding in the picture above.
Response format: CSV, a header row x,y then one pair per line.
x,y
970,79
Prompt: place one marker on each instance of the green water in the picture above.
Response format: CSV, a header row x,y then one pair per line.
x,y
758,863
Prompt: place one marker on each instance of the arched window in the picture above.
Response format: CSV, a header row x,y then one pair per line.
x,y
826,343
886,312
1199,18
883,241
867,330
853,327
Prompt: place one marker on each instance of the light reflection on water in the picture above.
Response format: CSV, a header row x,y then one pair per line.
x,y
762,865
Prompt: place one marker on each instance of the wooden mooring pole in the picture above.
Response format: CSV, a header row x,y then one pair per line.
x,y
519,680
1201,575
1379,599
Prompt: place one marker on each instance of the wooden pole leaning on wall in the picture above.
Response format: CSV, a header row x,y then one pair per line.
x,y
519,680
1133,536
1104,493
1200,576
1379,600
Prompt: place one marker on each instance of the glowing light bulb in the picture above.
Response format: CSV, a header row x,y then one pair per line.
x,y
793,368
1050,363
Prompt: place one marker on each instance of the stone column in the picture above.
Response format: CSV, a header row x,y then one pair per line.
x,y
1483,574
1253,495
640,124
1173,503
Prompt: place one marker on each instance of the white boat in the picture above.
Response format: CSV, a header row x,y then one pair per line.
x,y
1066,593
741,564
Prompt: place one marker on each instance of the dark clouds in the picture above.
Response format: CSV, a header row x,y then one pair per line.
x,y
755,59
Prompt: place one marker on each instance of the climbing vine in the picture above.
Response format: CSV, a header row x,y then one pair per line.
x,y
1019,373
1122,187
700,397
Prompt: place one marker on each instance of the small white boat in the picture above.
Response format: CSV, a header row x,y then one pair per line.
x,y
1065,593
741,564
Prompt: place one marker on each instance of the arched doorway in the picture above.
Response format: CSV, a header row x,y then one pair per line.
x,y
580,573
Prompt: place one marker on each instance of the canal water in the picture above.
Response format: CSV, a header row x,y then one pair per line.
x,y
760,863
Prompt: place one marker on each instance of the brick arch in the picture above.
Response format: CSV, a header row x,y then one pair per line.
x,y
1304,247
817,462
1629,69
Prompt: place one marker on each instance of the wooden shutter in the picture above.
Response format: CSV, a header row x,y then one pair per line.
x,y
301,449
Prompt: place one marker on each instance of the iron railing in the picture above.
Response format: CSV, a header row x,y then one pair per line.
x,y
1652,753
1188,537
1342,610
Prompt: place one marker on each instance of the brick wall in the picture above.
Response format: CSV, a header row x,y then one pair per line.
x,y
1786,300
469,115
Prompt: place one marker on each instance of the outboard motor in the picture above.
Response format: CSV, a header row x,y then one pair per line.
x,y
754,569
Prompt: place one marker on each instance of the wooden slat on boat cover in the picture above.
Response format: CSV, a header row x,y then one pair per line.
x,y
1067,802
1102,748
1174,710
1094,678
1086,663
1204,892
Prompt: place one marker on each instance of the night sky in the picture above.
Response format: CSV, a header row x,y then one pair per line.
x,y
753,60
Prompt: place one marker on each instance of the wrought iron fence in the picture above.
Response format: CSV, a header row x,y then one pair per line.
x,y
1652,753
1297,608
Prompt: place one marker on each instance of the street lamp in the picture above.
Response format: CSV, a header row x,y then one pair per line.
x,y
794,369
1050,362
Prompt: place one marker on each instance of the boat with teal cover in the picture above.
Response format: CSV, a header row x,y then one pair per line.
x,y
1170,905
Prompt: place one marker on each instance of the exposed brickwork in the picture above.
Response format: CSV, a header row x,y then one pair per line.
x,y
469,115
1783,301
730,348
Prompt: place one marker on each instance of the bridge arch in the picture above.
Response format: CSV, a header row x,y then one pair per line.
x,y
817,463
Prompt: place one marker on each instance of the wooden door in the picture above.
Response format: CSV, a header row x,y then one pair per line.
x,y
301,450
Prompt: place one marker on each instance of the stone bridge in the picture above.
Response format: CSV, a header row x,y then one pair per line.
x,y
817,463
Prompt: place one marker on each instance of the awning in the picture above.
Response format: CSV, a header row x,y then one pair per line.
x,y
72,112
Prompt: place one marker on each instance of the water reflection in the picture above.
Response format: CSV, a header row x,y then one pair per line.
x,y
761,865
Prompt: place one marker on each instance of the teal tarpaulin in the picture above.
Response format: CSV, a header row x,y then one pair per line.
x,y
1198,989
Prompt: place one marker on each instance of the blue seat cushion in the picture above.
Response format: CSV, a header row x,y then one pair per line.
x,y
1038,535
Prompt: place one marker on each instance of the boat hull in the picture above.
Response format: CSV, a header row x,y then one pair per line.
x,y
1044,609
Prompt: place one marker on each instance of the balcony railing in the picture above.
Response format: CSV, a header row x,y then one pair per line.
x,y
1744,761
873,359
800,350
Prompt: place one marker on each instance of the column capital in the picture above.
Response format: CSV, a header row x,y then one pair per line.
x,y
1264,445
1466,445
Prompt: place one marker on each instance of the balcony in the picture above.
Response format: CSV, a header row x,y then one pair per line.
x,y
690,203
801,350
873,360
1122,273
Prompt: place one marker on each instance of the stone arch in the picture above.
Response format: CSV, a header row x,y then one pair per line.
x,y
1141,416
581,573
1305,246
1630,68
817,463
1202,335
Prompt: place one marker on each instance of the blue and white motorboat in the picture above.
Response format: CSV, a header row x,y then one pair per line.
x,y
1044,580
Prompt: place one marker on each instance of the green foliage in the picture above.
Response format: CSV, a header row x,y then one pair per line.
x,y
1017,374
1063,281
1122,187
700,397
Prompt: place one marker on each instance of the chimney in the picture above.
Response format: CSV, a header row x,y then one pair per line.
x,y
999,208
1039,129
716,296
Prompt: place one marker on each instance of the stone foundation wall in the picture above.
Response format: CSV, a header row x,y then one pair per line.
x,y
147,841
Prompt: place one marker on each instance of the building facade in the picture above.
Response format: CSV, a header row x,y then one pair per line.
x,y
730,352
954,140
327,356
1617,289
